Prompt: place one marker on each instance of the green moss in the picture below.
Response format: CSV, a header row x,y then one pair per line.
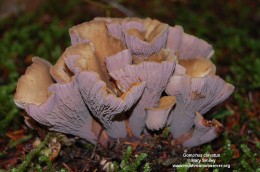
x,y
128,164
29,157
25,37
248,160
228,153
184,168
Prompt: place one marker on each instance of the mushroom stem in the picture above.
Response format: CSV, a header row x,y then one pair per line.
x,y
157,117
181,121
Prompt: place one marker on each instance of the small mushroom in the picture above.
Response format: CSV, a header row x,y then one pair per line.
x,y
142,37
58,106
106,107
194,95
157,117
187,46
204,131
64,111
156,76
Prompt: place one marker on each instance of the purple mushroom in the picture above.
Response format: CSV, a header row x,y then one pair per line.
x,y
111,83
194,94
58,106
187,46
156,76
142,37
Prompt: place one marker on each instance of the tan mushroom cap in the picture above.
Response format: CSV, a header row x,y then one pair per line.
x,y
150,30
60,71
78,58
97,33
157,117
144,37
32,87
86,60
198,67
153,29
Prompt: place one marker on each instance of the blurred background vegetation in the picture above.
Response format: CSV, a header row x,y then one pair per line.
x,y
40,28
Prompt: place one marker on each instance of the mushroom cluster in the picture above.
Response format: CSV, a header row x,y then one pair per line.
x,y
122,78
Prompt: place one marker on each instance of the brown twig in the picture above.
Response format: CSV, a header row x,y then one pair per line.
x,y
120,8
112,4
67,167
